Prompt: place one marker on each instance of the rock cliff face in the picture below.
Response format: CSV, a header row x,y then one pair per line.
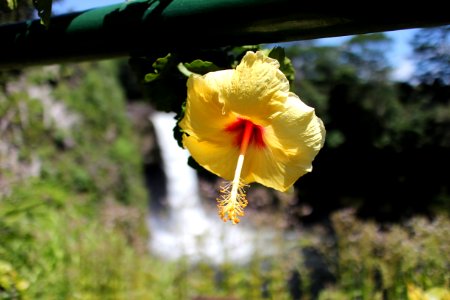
x,y
19,101
59,119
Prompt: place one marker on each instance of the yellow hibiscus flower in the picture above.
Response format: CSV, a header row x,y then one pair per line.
x,y
245,126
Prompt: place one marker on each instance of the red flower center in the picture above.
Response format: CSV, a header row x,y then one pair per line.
x,y
246,132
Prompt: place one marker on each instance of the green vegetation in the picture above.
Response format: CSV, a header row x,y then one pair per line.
x,y
385,139
72,212
377,262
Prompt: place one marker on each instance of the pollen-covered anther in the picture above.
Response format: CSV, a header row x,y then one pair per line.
x,y
232,201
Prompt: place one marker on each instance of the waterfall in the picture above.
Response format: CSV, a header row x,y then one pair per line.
x,y
187,229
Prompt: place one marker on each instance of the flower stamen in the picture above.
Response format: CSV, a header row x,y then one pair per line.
x,y
232,200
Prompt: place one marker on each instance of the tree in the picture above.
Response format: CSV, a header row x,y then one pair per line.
x,y
432,54
367,54
383,139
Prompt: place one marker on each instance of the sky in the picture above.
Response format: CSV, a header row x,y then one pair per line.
x,y
399,56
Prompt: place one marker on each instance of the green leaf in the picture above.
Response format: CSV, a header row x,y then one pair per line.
x,y
285,63
161,63
201,67
162,84
44,8
151,77
278,54
193,164
160,66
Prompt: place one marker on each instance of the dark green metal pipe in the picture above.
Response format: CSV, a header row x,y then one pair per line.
x,y
140,27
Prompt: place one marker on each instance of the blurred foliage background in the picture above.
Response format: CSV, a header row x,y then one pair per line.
x,y
373,215
387,141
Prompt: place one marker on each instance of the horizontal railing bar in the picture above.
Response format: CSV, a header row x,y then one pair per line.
x,y
140,27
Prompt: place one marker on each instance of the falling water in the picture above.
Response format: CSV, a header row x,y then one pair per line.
x,y
188,230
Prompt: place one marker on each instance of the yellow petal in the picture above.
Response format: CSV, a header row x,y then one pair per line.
x,y
257,89
293,139
204,115
219,159
263,166
205,121
297,129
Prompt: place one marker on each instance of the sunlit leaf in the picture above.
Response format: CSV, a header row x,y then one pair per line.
x,y
201,67
161,63
151,77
